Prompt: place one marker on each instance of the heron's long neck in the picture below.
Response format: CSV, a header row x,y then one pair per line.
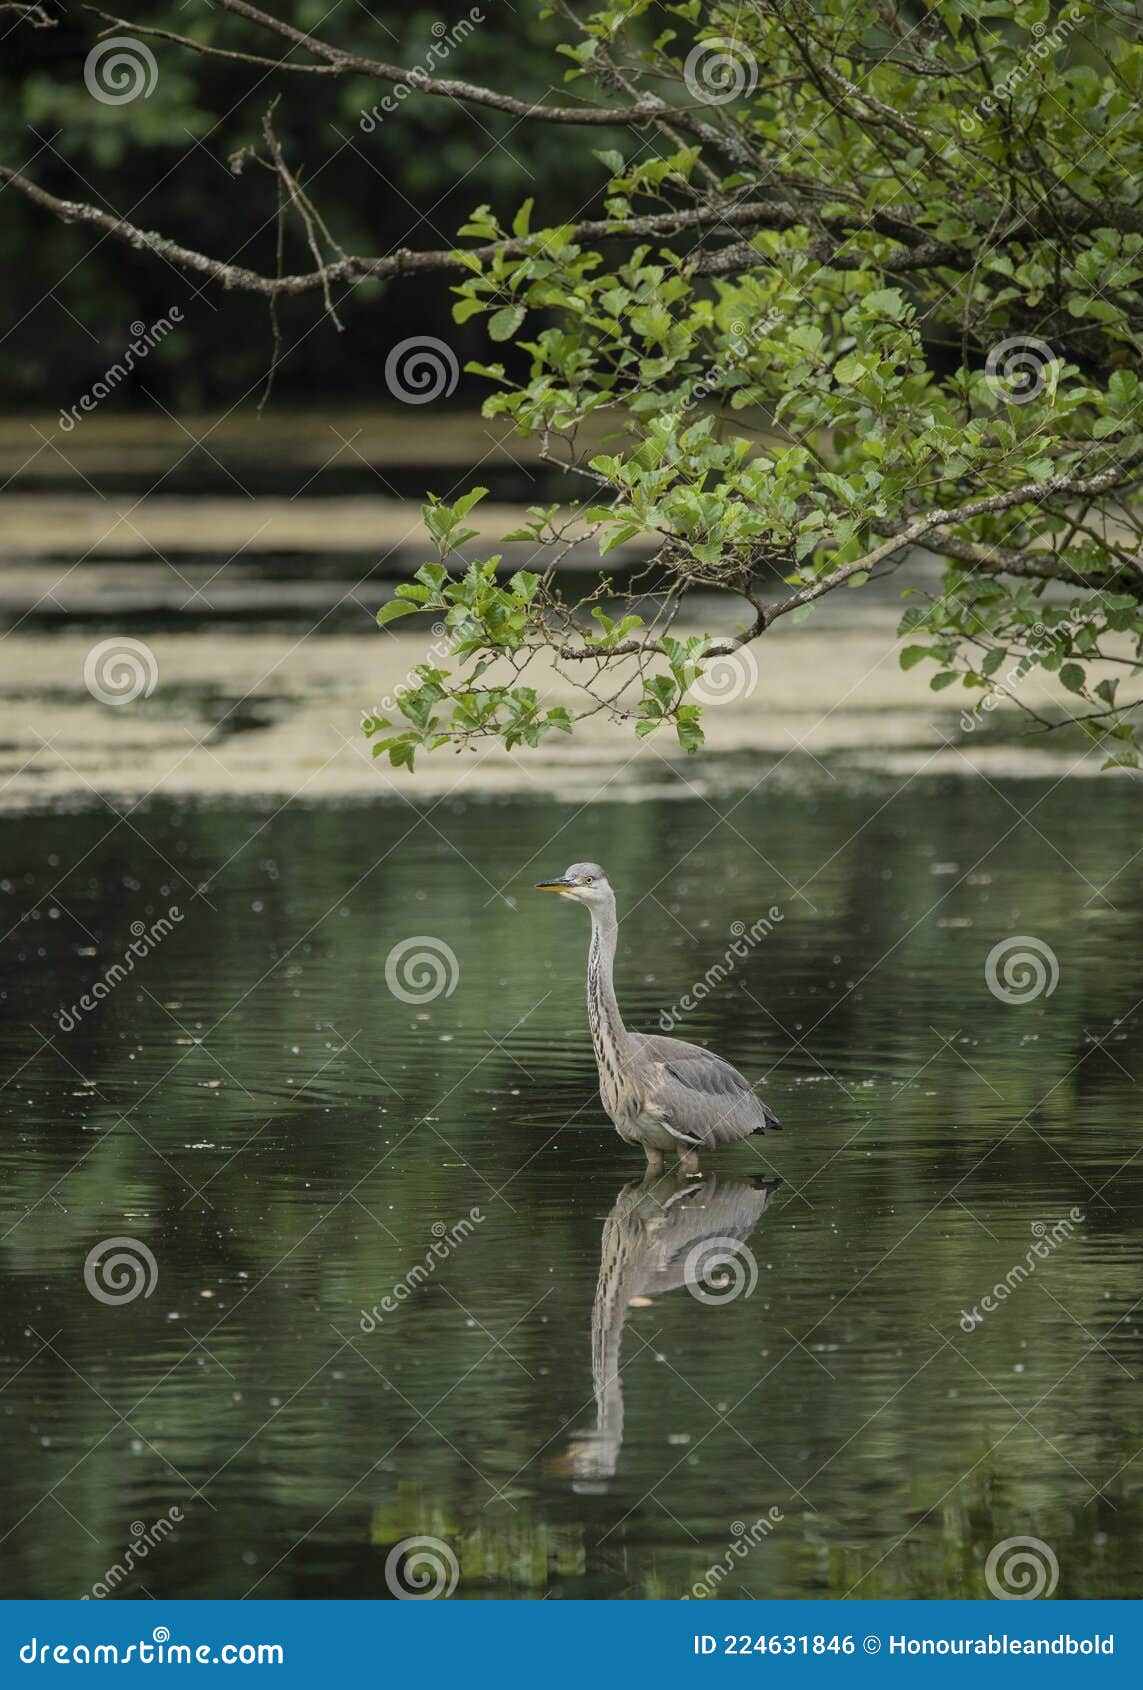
x,y
608,1033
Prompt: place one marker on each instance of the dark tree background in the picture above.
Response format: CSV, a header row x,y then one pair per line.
x,y
165,162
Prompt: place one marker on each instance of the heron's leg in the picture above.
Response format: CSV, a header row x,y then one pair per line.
x,y
654,1160
688,1163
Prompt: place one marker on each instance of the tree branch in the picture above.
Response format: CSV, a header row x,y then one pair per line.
x,y
336,62
1036,565
773,214
34,16
1032,492
995,560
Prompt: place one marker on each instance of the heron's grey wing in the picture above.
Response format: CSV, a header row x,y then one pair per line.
x,y
664,1049
701,1094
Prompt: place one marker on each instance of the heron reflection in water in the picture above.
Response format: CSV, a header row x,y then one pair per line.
x,y
664,1232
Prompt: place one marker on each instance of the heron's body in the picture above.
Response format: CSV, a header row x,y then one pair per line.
x,y
662,1093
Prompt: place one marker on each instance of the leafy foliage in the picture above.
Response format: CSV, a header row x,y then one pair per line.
x,y
923,328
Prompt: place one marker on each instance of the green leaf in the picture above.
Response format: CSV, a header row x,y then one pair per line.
x,y
473,497
690,735
524,584
848,369
502,325
395,608
616,536
884,302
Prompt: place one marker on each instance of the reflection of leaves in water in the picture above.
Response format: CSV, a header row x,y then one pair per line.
x,y
518,1549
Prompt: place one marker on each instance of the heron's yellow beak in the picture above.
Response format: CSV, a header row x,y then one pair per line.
x,y
563,884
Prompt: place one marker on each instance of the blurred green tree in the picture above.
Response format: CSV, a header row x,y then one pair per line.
x,y
163,160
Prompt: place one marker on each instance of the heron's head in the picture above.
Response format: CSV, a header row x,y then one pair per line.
x,y
586,883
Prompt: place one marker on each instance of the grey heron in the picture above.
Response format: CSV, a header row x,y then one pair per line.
x,y
662,1093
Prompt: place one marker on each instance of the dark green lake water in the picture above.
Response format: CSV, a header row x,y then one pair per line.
x,y
289,1139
